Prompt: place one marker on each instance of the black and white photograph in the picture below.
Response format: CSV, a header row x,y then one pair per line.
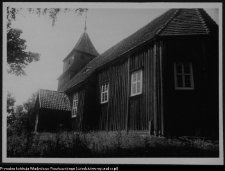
x,y
112,83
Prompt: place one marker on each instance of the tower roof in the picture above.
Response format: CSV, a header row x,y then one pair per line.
x,y
84,44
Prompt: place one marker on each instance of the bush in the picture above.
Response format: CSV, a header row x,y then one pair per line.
x,y
106,144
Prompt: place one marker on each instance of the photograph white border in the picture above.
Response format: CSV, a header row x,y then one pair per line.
x,y
179,161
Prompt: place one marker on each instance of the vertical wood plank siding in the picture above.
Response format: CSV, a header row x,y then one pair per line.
x,y
141,107
115,114
78,121
161,53
86,118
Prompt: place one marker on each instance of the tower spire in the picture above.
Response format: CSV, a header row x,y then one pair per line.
x,y
85,27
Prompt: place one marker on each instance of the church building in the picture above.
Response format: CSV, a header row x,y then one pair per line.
x,y
162,79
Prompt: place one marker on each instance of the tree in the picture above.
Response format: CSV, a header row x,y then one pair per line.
x,y
17,57
10,108
50,12
10,102
53,12
29,106
16,122
30,103
22,119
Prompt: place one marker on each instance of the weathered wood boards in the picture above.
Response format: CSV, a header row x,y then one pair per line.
x,y
124,112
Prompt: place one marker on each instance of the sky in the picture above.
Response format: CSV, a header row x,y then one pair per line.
x,y
106,26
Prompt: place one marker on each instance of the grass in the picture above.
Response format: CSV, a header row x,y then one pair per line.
x,y
107,144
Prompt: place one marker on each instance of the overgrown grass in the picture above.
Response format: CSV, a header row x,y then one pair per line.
x,y
107,144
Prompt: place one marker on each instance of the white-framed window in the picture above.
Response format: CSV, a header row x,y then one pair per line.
x,y
75,105
136,82
183,74
104,92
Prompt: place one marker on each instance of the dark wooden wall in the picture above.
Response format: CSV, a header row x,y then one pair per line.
x,y
77,122
170,111
113,114
123,111
187,111
53,120
142,106
87,117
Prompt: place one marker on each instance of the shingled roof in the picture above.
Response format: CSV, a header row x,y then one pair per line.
x,y
85,45
174,22
54,100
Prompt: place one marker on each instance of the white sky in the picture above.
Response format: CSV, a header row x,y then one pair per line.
x,y
106,26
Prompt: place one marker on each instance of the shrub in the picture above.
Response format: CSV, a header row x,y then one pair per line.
x,y
107,144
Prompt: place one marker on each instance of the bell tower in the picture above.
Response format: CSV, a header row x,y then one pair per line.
x,y
83,52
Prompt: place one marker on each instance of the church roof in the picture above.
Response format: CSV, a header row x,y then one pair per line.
x,y
54,100
85,45
174,22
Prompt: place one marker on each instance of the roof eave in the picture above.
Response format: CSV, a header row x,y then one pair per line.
x,y
128,53
76,87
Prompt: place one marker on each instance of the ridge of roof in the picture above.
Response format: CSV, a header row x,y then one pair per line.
x,y
189,22
172,22
163,26
52,90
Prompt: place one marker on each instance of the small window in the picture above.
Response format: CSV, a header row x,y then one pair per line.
x,y
183,75
75,105
68,63
104,92
136,83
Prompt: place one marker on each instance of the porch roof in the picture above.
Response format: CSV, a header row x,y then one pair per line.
x,y
54,100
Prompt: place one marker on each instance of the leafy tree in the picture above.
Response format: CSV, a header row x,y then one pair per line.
x,y
10,102
22,119
16,122
30,103
10,108
53,12
17,57
29,106
50,12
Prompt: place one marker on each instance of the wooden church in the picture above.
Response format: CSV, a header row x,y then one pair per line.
x,y
162,79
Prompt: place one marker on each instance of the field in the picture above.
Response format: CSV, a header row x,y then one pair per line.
x,y
107,144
